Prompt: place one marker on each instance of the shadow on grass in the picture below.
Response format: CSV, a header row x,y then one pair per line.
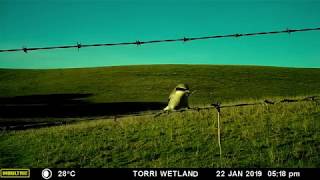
x,y
68,106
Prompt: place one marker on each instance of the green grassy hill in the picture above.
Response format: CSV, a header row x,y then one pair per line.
x,y
279,135
155,82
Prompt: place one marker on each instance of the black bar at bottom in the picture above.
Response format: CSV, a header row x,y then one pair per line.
x,y
173,173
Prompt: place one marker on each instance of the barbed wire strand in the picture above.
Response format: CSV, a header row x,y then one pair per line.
x,y
138,43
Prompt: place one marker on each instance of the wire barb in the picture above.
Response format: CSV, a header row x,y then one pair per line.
x,y
79,45
289,31
25,49
186,39
138,43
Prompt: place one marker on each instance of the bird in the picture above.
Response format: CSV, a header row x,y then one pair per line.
x,y
178,98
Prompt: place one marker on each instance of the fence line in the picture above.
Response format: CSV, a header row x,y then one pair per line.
x,y
216,106
138,43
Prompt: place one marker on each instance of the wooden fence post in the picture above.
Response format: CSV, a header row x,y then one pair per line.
x,y
218,107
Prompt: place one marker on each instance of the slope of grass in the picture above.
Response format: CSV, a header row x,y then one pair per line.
x,y
155,82
281,135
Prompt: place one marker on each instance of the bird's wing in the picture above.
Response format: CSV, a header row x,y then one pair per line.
x,y
172,94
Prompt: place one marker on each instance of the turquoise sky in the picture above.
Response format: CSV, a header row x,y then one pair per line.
x,y
38,23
